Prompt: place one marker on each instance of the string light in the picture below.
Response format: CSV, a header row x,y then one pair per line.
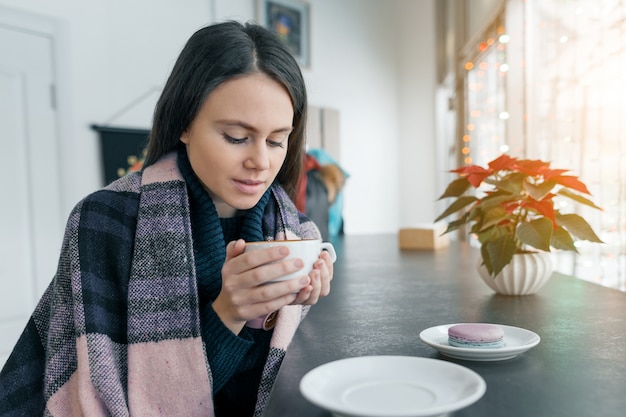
x,y
485,108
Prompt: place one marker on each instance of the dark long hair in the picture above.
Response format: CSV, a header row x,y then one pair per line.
x,y
215,54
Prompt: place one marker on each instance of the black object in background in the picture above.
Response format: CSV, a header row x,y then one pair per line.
x,y
121,149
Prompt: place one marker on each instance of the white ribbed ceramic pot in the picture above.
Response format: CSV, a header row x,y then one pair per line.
x,y
526,274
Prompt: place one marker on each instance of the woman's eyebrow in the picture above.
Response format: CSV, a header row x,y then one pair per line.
x,y
239,123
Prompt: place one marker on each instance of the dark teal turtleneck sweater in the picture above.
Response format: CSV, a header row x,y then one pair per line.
x,y
236,361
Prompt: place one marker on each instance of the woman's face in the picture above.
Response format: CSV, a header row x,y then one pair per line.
x,y
238,141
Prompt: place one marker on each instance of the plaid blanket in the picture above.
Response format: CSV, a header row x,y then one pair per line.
x,y
117,332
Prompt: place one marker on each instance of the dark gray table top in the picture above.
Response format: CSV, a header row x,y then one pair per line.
x,y
382,298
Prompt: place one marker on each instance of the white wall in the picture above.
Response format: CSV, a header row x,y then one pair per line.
x,y
417,85
112,52
372,60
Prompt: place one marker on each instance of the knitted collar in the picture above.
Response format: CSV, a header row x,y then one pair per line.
x,y
208,238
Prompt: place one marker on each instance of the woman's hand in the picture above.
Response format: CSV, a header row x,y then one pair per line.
x,y
320,275
243,296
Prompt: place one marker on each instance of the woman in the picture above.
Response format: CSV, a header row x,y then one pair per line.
x,y
155,308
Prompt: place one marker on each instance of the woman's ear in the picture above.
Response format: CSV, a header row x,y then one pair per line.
x,y
184,138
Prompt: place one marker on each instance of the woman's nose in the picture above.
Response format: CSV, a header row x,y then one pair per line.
x,y
258,158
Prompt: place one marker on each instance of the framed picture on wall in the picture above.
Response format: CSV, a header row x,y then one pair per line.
x,y
290,20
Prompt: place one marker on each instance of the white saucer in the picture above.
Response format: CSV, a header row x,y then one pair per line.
x,y
398,386
516,341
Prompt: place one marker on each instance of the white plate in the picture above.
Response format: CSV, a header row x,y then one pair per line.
x,y
386,386
516,341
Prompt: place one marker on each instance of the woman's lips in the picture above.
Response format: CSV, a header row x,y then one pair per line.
x,y
249,186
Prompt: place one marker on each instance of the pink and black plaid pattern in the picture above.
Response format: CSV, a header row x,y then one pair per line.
x,y
117,332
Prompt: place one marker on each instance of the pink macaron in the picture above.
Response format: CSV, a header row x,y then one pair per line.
x,y
476,335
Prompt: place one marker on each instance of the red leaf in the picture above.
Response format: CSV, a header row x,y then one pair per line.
x,y
475,174
512,206
549,174
503,162
531,167
544,207
477,179
572,182
469,169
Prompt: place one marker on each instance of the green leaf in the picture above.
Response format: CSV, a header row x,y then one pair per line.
x,y
484,254
561,239
492,233
576,197
493,216
500,253
536,233
453,225
456,188
457,205
538,192
578,227
496,199
512,183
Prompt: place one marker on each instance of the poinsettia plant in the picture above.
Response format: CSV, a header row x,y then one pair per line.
x,y
516,211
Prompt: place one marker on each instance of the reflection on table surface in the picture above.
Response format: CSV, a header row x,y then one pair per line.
x,y
382,298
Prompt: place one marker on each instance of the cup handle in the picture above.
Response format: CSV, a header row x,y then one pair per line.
x,y
327,246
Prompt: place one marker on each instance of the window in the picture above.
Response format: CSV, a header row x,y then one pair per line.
x,y
546,81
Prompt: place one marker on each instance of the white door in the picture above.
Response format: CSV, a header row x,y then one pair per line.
x,y
31,222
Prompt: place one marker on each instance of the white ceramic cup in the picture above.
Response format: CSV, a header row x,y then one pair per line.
x,y
308,250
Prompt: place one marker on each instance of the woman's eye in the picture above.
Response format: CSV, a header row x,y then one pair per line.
x,y
238,141
275,144
233,140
